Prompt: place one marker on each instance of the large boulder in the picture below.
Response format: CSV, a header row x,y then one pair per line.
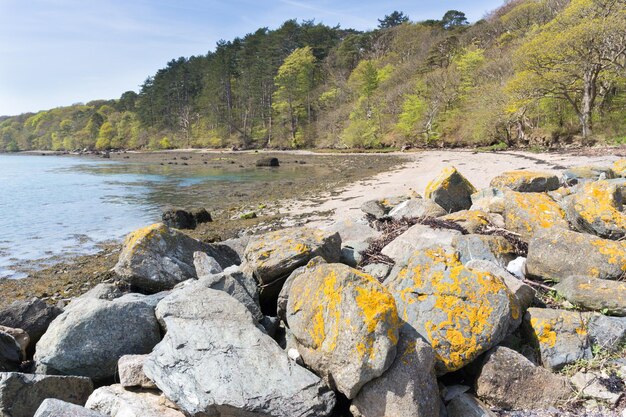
x,y
115,401
493,248
22,394
466,405
57,408
214,360
271,257
418,237
530,213
587,173
490,200
524,293
450,190
33,316
597,209
471,220
526,181
156,257
460,311
417,207
20,336
351,230
10,353
619,167
594,294
89,337
345,324
510,381
561,336
407,388
561,253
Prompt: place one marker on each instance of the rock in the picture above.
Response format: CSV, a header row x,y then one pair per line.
x,y
607,333
271,257
465,405
89,337
351,252
471,220
22,394
178,218
597,209
57,408
416,207
105,291
214,360
529,213
378,271
524,293
205,265
619,168
587,173
562,253
283,296
589,385
460,311
517,267
594,294
418,237
20,336
450,190
201,215
345,324
493,248
115,401
33,316
248,215
156,257
561,336
374,208
450,392
270,325
268,162
10,353
490,200
407,388
130,369
526,181
236,246
510,381
353,230
150,300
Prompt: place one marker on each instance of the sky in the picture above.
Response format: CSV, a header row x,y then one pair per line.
x,y
60,52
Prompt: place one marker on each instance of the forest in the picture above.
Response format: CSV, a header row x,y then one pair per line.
x,y
533,73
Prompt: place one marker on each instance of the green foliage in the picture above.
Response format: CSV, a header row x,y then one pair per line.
x,y
391,20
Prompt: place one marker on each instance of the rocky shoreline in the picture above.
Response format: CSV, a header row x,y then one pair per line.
x,y
505,300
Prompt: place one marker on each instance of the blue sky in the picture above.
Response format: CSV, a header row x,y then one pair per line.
x,y
58,52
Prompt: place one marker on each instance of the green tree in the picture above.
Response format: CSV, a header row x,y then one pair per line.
x,y
396,18
453,19
294,82
105,136
573,58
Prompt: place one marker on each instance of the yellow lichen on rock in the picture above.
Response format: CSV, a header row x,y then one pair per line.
x,y
528,213
544,332
616,251
619,167
134,239
597,202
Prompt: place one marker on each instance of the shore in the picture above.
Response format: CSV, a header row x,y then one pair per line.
x,y
348,180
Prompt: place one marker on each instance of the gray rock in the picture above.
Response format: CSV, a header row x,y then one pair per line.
x,y
345,324
115,401
594,294
33,316
283,297
130,370
562,253
105,291
490,200
57,408
526,181
351,252
270,325
510,381
150,300
608,333
178,218
407,388
460,311
561,336
355,230
156,258
205,265
589,385
22,394
491,248
417,207
466,405
374,208
587,173
416,238
89,337
597,209
524,293
10,353
530,213
21,338
214,360
378,271
451,190
236,246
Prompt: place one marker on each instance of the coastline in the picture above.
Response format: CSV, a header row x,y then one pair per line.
x,y
341,196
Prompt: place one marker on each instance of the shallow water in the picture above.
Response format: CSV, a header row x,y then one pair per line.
x,y
53,207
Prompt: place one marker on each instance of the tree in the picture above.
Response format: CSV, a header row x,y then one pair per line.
x,y
394,19
572,58
453,19
105,136
294,83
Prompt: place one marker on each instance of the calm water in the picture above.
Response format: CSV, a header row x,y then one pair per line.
x,y
55,206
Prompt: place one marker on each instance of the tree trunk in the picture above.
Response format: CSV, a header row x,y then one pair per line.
x,y
589,97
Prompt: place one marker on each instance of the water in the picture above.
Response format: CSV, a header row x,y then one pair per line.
x,y
54,206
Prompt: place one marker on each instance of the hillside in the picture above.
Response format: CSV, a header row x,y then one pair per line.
x,y
532,73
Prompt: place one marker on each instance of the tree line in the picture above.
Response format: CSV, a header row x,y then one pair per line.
x,y
533,72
